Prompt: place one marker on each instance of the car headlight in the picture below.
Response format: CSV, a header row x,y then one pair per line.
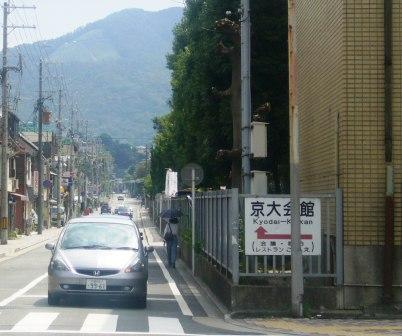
x,y
136,266
58,264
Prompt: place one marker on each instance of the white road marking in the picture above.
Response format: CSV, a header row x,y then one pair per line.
x,y
34,296
160,299
22,291
100,323
179,298
158,325
35,322
78,332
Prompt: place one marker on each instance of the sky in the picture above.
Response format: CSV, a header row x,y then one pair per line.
x,y
54,18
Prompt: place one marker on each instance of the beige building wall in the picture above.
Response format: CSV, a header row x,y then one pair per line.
x,y
362,142
340,52
321,90
397,119
340,47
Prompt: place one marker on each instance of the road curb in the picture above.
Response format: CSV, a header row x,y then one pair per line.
x,y
264,331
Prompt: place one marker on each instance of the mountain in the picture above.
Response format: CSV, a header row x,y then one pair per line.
x,y
116,68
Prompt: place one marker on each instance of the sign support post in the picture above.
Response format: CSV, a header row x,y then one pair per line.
x,y
296,258
193,220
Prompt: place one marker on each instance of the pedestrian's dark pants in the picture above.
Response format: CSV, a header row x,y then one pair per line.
x,y
171,246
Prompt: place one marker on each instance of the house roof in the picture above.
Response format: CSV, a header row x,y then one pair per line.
x,y
33,136
29,143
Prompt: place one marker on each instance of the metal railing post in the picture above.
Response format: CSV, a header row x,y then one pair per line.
x,y
234,220
160,211
339,237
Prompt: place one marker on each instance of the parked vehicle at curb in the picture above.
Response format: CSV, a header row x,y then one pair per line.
x,y
120,198
99,256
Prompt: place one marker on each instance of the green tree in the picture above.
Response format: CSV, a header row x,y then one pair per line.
x,y
200,121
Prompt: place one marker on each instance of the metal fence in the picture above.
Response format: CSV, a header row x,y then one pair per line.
x,y
220,235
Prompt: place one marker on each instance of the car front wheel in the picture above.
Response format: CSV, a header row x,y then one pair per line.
x,y
52,299
141,301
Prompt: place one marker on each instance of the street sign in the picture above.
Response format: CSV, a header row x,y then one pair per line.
x,y
268,223
186,172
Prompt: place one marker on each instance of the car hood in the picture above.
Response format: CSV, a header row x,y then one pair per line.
x,y
98,259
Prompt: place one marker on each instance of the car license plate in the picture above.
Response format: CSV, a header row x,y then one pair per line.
x,y
96,284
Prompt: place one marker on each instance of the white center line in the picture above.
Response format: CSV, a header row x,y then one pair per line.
x,y
158,325
22,291
35,322
100,323
179,298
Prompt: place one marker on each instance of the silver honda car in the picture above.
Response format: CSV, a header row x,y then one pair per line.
x,y
99,256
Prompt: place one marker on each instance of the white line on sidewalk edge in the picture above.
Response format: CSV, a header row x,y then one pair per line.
x,y
179,298
22,291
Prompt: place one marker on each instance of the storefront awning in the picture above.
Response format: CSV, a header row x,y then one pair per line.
x,y
23,198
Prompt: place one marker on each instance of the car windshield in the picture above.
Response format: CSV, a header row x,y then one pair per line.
x,y
99,236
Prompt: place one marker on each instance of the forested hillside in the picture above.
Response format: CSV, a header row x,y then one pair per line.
x,y
116,71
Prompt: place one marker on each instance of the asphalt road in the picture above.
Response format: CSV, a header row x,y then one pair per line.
x,y
175,306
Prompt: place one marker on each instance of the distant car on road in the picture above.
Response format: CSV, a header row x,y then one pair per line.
x,y
105,208
120,198
99,256
123,211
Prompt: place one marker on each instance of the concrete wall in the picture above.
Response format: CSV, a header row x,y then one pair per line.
x,y
363,280
266,299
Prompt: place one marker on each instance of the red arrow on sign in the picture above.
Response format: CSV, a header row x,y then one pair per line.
x,y
263,234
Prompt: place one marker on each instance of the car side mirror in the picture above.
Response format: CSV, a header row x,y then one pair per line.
x,y
149,249
49,246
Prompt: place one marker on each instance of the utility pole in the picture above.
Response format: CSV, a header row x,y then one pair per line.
x,y
59,163
72,154
4,138
296,257
146,160
86,166
146,174
4,123
40,150
245,93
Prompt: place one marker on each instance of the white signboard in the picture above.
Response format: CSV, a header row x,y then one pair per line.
x,y
170,183
268,222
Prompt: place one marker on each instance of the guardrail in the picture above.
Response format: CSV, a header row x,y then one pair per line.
x,y
220,235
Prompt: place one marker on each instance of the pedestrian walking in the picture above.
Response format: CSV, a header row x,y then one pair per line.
x,y
170,235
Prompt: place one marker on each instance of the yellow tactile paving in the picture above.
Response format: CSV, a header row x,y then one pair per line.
x,y
331,327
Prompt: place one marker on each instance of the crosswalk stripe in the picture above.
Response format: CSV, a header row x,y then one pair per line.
x,y
22,291
164,325
100,323
35,322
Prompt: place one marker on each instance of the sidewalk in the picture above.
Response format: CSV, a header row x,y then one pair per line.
x,y
25,243
325,327
289,326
